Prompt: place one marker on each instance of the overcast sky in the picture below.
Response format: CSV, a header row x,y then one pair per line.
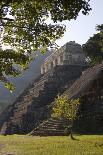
x,y
81,29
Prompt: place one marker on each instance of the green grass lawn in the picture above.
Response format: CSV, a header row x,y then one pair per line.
x,y
28,145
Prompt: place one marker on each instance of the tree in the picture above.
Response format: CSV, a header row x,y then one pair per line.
x,y
94,46
67,109
24,29
100,28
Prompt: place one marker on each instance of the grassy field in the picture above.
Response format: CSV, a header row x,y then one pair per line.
x,y
28,145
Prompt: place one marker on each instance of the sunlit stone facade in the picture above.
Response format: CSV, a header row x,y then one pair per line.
x,y
69,54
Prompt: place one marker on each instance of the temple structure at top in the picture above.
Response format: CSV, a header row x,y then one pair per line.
x,y
69,54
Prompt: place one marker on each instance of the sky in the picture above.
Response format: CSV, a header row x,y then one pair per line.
x,y
81,29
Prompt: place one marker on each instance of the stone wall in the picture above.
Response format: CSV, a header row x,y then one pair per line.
x,y
69,54
33,106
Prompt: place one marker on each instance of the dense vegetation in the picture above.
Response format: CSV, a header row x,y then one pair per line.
x,y
94,46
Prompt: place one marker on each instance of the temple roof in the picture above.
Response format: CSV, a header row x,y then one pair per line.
x,y
76,48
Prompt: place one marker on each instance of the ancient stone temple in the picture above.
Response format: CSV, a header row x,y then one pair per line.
x,y
33,106
69,54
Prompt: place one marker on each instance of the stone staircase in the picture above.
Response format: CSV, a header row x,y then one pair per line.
x,y
52,127
32,106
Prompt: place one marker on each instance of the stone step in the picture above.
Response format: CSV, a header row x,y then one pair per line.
x,y
56,120
52,123
49,133
51,127
55,131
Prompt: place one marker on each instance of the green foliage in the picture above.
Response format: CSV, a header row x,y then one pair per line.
x,y
94,46
99,28
65,108
24,28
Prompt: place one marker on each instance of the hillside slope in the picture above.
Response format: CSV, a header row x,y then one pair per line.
x,y
21,82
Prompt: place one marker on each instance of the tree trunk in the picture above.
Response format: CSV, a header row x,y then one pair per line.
x,y
71,135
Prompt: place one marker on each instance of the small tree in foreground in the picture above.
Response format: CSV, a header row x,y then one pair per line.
x,y
67,109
